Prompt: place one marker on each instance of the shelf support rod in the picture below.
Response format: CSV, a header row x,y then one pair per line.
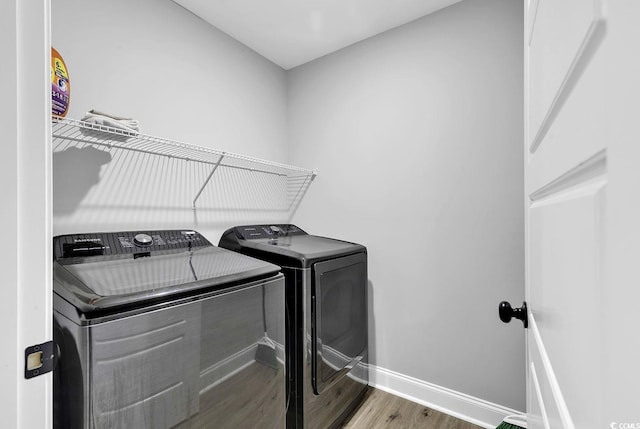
x,y
295,203
215,167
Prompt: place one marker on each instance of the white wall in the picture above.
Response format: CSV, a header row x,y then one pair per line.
x,y
182,79
417,135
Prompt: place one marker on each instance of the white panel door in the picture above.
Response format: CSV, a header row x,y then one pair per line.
x,y
580,192
25,210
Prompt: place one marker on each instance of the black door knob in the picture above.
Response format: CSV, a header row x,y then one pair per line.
x,y
507,312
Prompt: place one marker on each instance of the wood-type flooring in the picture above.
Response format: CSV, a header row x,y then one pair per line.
x,y
246,401
383,410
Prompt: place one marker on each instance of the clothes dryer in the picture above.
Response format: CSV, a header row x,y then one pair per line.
x,y
326,295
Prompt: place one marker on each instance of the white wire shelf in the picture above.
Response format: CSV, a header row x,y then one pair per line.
x,y
263,184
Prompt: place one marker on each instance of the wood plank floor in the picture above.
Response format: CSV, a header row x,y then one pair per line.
x,y
383,410
245,401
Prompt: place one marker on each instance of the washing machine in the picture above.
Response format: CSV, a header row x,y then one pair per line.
x,y
326,296
161,329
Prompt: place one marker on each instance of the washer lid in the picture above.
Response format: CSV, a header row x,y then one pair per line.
x,y
101,282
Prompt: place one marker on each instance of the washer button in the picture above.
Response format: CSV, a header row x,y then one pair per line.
x,y
143,240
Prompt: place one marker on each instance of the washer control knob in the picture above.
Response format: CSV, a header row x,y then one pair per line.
x,y
274,229
143,240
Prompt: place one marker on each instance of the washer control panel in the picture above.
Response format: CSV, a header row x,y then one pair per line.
x,y
256,232
123,243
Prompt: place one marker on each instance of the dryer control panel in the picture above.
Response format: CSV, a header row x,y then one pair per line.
x,y
256,232
123,243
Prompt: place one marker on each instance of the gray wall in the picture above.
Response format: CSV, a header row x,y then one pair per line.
x,y
417,134
182,79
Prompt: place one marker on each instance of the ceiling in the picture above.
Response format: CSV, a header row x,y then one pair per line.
x,y
293,32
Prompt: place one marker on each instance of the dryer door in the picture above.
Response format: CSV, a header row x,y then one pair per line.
x,y
338,319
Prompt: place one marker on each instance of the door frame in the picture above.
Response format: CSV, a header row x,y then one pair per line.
x,y
25,170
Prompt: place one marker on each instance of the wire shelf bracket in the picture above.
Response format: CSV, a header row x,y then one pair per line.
x,y
204,185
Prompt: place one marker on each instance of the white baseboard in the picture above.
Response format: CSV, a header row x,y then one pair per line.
x,y
465,407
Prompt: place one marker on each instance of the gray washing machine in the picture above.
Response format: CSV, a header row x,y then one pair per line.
x,y
326,293
161,329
